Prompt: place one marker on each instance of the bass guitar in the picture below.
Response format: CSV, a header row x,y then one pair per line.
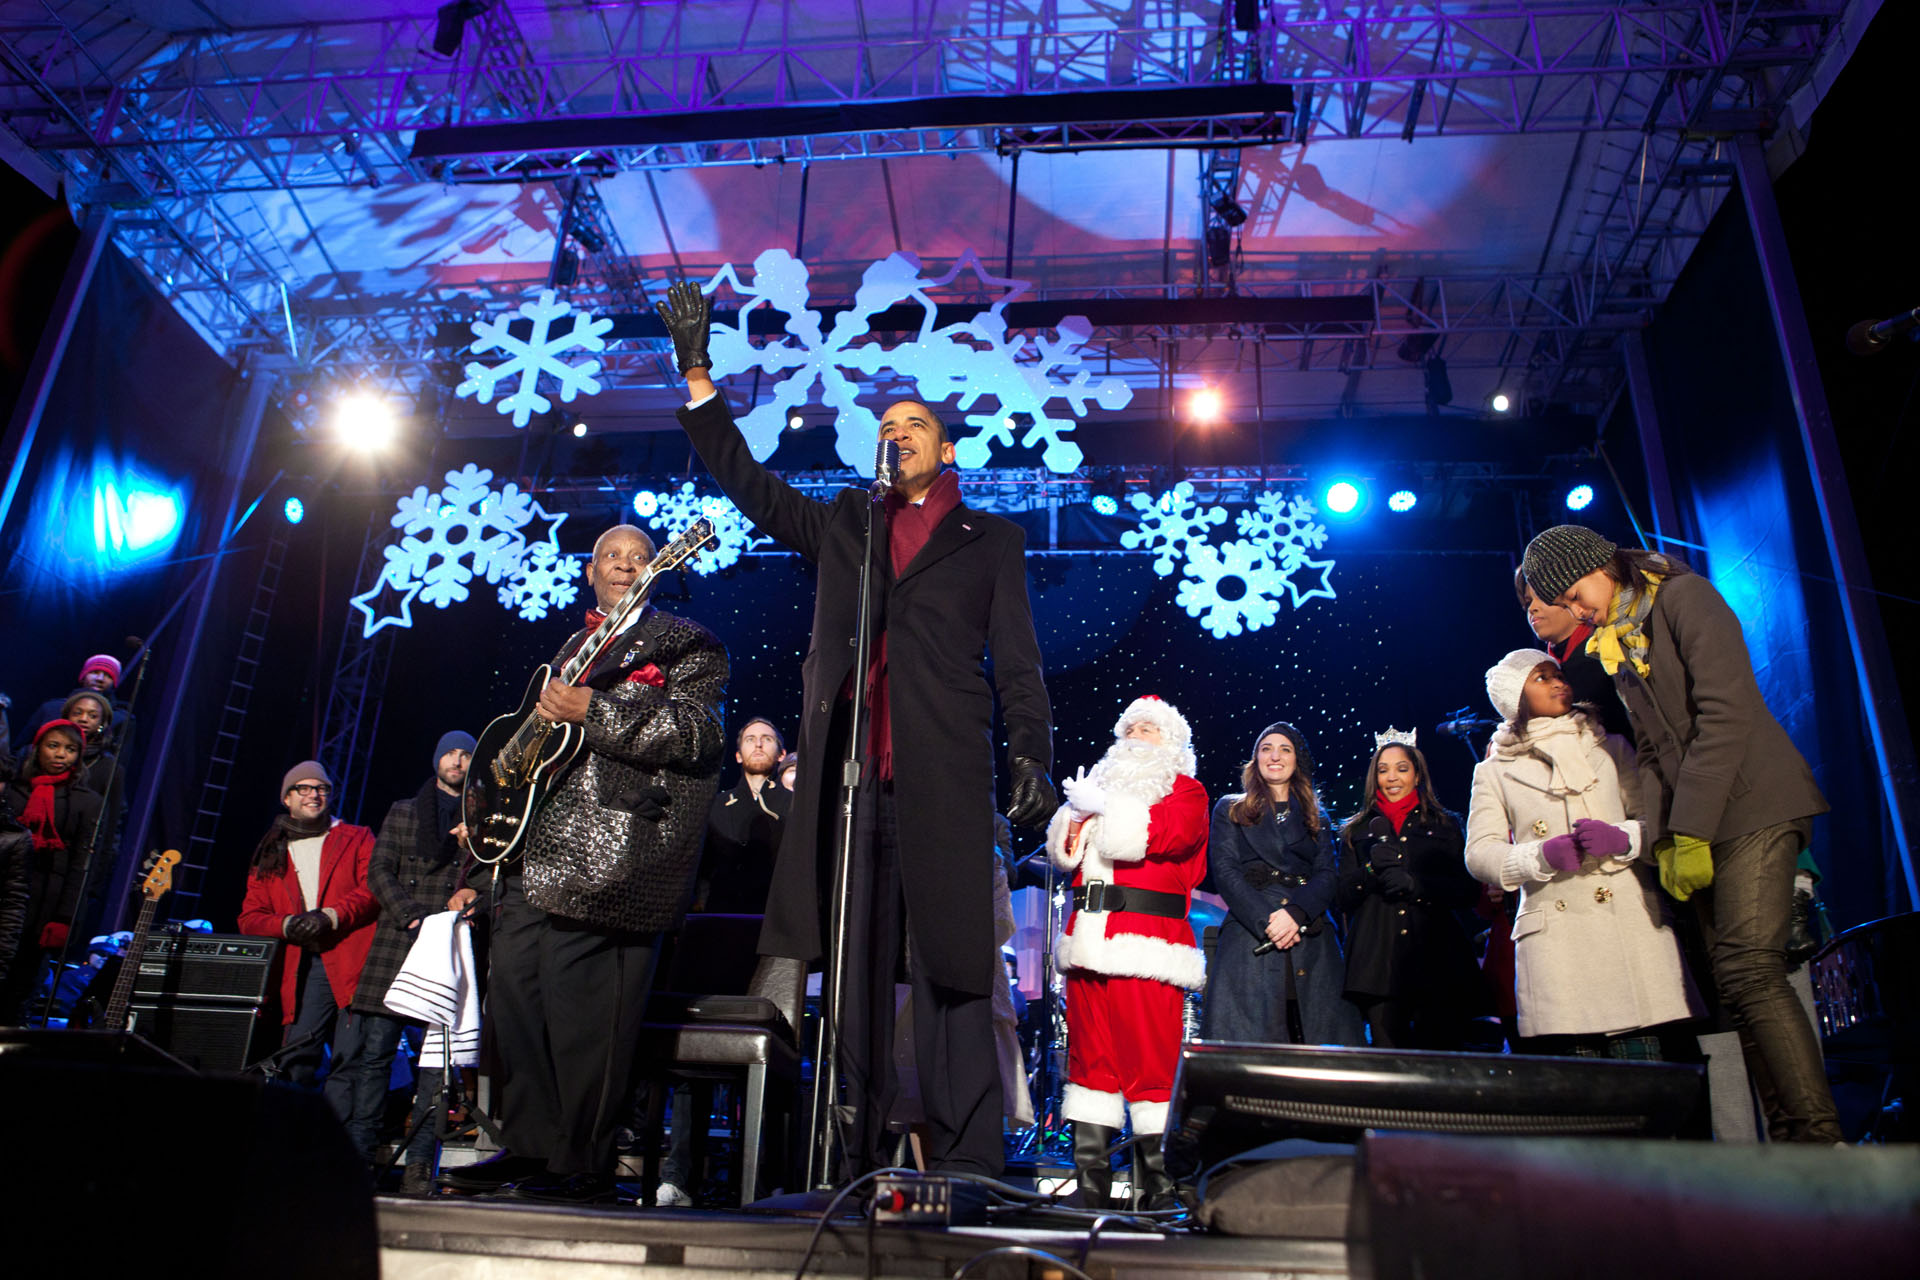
x,y
159,879
521,755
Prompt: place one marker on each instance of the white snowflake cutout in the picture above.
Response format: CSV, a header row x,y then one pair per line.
x,y
1172,524
534,355
1231,586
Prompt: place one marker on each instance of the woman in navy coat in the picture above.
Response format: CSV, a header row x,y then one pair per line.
x,y
1271,857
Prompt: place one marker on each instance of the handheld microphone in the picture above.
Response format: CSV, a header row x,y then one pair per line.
x,y
1869,339
886,467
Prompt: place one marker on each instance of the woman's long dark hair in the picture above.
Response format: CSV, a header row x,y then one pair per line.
x,y
1630,566
1429,809
1256,801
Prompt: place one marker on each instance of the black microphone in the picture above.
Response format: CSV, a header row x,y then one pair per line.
x,y
1462,726
886,467
1870,339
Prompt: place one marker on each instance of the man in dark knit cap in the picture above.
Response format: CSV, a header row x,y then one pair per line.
x,y
98,674
414,870
308,887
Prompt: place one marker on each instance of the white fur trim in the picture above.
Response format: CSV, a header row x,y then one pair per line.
x,y
1148,1117
1123,829
1129,955
1057,830
1077,1102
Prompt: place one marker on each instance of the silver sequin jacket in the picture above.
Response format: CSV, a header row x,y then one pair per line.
x,y
589,857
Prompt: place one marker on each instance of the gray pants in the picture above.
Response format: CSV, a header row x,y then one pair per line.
x,y
1744,919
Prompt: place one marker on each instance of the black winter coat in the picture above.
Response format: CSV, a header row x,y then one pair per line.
x,y
16,853
1410,949
965,594
413,870
743,834
53,875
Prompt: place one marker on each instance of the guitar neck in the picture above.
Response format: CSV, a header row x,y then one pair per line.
x,y
583,658
130,968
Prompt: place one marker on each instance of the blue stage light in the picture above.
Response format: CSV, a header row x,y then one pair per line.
x,y
1579,497
133,520
1341,497
295,510
1106,504
1402,500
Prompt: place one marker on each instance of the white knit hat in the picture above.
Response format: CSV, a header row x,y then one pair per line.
x,y
1506,679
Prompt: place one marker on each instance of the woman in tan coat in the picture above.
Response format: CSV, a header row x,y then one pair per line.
x,y
1555,815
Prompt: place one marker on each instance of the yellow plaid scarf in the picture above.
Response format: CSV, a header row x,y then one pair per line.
x,y
1622,637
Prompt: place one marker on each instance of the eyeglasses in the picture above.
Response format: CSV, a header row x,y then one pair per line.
x,y
311,789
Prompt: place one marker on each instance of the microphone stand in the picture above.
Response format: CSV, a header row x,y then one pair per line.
x,y
828,1113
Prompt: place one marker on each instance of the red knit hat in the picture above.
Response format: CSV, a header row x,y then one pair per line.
x,y
102,662
51,725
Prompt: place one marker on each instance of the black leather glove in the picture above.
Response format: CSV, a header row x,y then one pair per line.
x,y
308,928
1396,882
649,804
685,313
1034,798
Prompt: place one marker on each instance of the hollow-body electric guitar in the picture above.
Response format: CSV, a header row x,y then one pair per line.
x,y
522,754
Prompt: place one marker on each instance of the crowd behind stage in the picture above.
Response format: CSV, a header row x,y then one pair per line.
x,y
1630,869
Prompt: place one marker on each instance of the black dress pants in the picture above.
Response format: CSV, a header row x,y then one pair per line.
x,y
566,1002
953,1040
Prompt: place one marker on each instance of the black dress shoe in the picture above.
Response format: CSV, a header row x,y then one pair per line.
x,y
493,1173
565,1188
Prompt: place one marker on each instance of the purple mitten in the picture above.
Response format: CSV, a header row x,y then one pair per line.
x,y
1561,853
1599,839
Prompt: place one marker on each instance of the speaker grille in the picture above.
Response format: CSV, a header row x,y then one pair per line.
x,y
1344,1116
209,1037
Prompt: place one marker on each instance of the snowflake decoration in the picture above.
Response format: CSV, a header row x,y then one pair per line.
x,y
1283,528
1173,524
971,359
534,355
674,511
1223,612
543,580
466,530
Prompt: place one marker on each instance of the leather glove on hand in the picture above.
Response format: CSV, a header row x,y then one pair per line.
x,y
685,313
1396,882
307,928
1686,865
1562,853
649,804
1033,796
1599,839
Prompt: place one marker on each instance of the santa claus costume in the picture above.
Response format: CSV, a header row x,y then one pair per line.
x,y
1133,832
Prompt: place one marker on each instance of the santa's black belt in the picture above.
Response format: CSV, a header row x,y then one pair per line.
x,y
1098,895
1261,874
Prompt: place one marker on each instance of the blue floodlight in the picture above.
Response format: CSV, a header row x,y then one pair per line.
x,y
1341,498
1403,500
295,510
1106,504
1579,497
133,519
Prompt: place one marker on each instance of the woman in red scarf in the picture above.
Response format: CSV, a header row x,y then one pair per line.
x,y
60,816
1403,876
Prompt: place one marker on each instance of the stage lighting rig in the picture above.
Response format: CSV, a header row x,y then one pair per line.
x,y
450,24
364,421
1501,402
1205,406
579,430
1580,497
294,510
1402,501
1219,247
1230,211
1439,385
1342,498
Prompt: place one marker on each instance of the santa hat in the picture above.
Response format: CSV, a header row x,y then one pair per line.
x,y
102,662
1508,677
1173,725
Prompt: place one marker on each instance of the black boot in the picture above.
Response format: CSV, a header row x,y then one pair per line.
x,y
1092,1164
1152,1189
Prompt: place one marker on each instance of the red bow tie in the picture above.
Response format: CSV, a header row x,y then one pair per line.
x,y
595,618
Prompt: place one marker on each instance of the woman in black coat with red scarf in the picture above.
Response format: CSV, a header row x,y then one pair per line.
x,y
1403,876
61,817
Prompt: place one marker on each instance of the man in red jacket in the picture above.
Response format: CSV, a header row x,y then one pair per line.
x,y
309,889
1134,833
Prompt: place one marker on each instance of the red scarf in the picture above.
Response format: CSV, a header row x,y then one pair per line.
x,y
1574,643
1397,810
40,818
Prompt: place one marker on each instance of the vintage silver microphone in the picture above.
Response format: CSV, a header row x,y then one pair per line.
x,y
886,467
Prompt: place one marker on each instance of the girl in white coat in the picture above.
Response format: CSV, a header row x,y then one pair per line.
x,y
1555,816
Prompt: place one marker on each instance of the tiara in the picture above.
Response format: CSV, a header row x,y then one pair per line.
x,y
1394,738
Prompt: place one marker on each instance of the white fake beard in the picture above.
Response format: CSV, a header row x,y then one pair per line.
x,y
1143,770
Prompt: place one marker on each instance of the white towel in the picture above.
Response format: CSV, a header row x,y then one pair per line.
x,y
437,986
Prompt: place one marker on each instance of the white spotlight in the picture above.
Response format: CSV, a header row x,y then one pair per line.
x,y
579,430
795,422
364,421
1501,402
1205,405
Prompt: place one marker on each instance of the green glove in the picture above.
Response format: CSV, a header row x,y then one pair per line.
x,y
1686,865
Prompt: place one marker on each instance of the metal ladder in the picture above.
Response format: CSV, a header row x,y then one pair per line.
x,y
226,742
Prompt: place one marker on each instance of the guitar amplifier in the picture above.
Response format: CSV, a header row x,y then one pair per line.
x,y
230,969
205,1036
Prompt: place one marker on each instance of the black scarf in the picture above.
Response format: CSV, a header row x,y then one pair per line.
x,y
434,814
270,855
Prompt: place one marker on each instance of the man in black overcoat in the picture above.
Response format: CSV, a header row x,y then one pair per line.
x,y
949,586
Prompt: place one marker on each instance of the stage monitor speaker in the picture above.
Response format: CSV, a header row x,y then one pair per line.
x,y
117,1168
1230,1098
205,966
207,1037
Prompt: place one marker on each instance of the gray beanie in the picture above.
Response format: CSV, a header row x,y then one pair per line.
x,y
452,740
1561,556
305,771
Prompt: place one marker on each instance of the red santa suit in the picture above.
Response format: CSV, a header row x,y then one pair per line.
x,y
1144,826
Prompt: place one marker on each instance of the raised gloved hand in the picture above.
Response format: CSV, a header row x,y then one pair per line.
x,y
1033,796
53,935
685,313
1686,865
307,928
1599,839
1561,853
